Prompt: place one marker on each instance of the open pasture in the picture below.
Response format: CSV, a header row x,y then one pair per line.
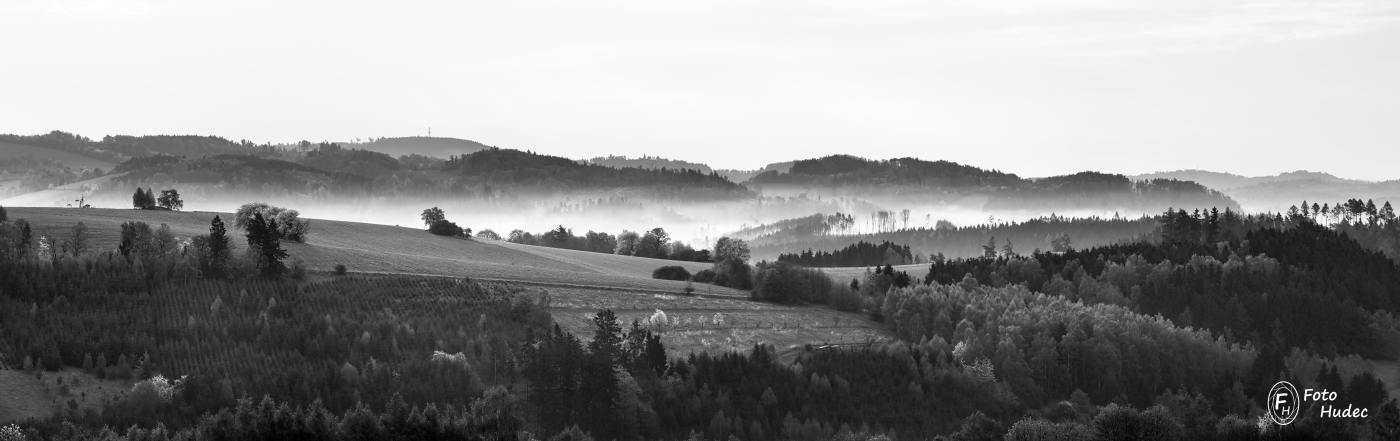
x,y
373,248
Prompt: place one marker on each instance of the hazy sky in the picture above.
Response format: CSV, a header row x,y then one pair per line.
x,y
1034,87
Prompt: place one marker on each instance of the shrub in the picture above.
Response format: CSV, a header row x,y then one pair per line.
x,y
787,283
704,276
733,273
298,271
339,269
445,228
488,235
671,272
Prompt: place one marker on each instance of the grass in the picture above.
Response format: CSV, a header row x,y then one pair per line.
x,y
29,396
844,275
713,324
373,248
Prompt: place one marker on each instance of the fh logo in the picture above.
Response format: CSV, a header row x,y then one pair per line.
x,y
1284,403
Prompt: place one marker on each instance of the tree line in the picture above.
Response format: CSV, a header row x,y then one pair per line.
x,y
861,253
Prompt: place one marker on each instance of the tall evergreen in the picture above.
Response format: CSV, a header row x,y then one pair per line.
x,y
218,246
4,217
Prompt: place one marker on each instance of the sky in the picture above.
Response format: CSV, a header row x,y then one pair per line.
x,y
1033,87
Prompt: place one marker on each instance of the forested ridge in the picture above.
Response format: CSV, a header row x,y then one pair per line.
x,y
858,254
497,166
824,232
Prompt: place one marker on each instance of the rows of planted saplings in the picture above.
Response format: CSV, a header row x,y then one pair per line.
x,y
343,340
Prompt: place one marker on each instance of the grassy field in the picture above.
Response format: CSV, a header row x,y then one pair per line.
x,y
29,396
710,324
374,248
845,274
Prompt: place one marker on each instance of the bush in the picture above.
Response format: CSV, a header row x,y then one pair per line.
x,y
671,272
787,283
298,270
704,276
445,228
733,274
339,269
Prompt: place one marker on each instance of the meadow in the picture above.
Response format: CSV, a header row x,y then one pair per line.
x,y
373,248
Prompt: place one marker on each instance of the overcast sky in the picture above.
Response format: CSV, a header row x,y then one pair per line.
x,y
1034,87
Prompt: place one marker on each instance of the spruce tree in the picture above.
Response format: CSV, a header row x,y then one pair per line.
x,y
5,217
218,246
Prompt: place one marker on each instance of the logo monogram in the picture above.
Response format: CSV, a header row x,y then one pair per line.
x,y
1283,403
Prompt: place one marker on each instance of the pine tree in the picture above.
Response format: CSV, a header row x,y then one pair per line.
x,y
138,199
218,247
5,217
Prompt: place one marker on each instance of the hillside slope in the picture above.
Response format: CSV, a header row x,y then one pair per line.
x,y
374,248
10,150
435,147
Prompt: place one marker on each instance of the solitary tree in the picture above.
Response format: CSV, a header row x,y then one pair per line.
x,y
170,199
433,215
5,217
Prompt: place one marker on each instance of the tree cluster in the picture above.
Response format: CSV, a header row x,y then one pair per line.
x,y
290,225
145,199
861,253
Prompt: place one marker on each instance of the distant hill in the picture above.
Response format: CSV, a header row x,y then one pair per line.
x,y
434,147
648,162
910,178
742,176
506,168
1278,192
846,170
118,148
232,172
10,150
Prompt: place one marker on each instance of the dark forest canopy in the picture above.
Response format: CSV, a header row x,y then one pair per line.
x,y
846,170
1008,191
858,254
648,162
238,172
119,148
488,173
819,231
503,167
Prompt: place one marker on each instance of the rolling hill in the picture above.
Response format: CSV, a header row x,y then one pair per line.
x,y
419,145
70,159
579,282
1278,192
374,248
